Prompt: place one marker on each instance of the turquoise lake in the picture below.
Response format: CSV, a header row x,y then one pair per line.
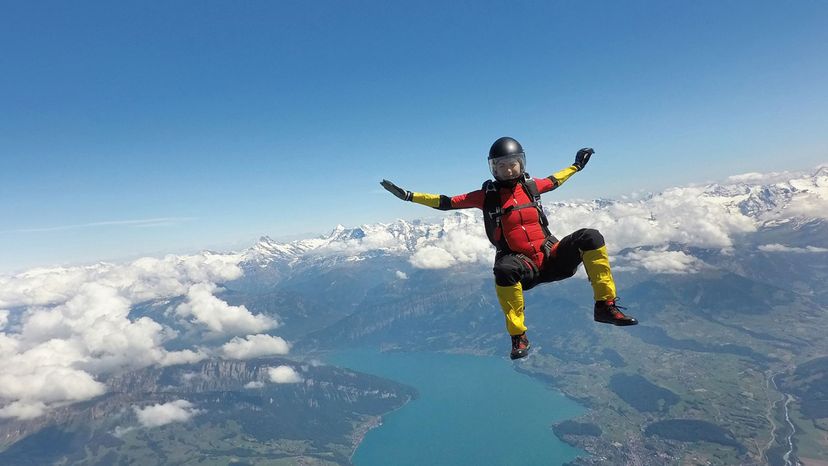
x,y
472,410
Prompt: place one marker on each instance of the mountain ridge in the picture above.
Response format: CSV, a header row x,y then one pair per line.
x,y
794,203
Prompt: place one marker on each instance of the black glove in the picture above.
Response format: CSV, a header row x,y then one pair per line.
x,y
397,191
582,157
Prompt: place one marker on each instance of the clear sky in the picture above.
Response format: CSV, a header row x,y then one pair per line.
x,y
130,128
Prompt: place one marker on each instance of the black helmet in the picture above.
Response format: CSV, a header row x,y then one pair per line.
x,y
504,147
506,150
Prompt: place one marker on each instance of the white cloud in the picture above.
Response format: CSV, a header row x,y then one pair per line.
x,y
678,215
662,261
218,316
283,374
32,389
811,204
467,247
254,385
431,257
254,346
461,246
760,178
98,335
400,274
75,325
23,410
162,414
782,248
8,344
141,280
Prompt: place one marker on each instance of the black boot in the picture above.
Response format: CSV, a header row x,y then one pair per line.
x,y
610,313
520,346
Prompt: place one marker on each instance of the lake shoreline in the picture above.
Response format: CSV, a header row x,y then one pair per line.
x,y
467,400
376,421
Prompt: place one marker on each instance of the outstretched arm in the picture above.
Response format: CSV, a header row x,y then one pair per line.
x,y
437,201
558,178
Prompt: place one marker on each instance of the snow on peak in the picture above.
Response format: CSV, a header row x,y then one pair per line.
x,y
786,196
703,216
400,237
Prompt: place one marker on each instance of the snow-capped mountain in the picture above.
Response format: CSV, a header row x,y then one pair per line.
x,y
708,216
779,199
398,237
268,250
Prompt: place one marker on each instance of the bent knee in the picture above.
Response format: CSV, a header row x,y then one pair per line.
x,y
589,239
508,271
506,276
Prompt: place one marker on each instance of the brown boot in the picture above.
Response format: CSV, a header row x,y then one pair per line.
x,y
520,346
610,313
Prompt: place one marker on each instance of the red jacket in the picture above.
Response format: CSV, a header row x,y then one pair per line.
x,y
521,228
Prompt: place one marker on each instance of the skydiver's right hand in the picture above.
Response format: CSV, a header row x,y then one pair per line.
x,y
397,191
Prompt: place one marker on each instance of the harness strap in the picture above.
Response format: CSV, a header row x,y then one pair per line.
x,y
493,211
492,214
518,207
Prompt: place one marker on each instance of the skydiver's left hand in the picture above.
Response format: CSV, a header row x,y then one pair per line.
x,y
582,157
396,190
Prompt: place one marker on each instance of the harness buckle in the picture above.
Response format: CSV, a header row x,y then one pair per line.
x,y
549,247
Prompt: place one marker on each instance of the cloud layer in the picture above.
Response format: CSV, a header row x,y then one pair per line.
x,y
61,328
144,279
782,248
681,215
660,261
697,216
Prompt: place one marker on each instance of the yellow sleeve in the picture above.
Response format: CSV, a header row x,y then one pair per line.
x,y
430,200
560,177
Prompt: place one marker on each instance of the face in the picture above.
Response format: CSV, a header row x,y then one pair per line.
x,y
507,169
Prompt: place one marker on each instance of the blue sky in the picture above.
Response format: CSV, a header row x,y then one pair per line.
x,y
133,128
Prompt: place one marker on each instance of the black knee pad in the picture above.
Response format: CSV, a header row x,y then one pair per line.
x,y
509,270
589,239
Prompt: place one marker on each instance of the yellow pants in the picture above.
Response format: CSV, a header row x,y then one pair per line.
x,y
511,301
596,263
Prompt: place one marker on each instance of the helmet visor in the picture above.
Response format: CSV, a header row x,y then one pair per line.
x,y
508,167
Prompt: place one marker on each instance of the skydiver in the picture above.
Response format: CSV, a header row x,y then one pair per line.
x,y
527,253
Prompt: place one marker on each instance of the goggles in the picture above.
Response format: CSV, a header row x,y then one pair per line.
x,y
508,167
